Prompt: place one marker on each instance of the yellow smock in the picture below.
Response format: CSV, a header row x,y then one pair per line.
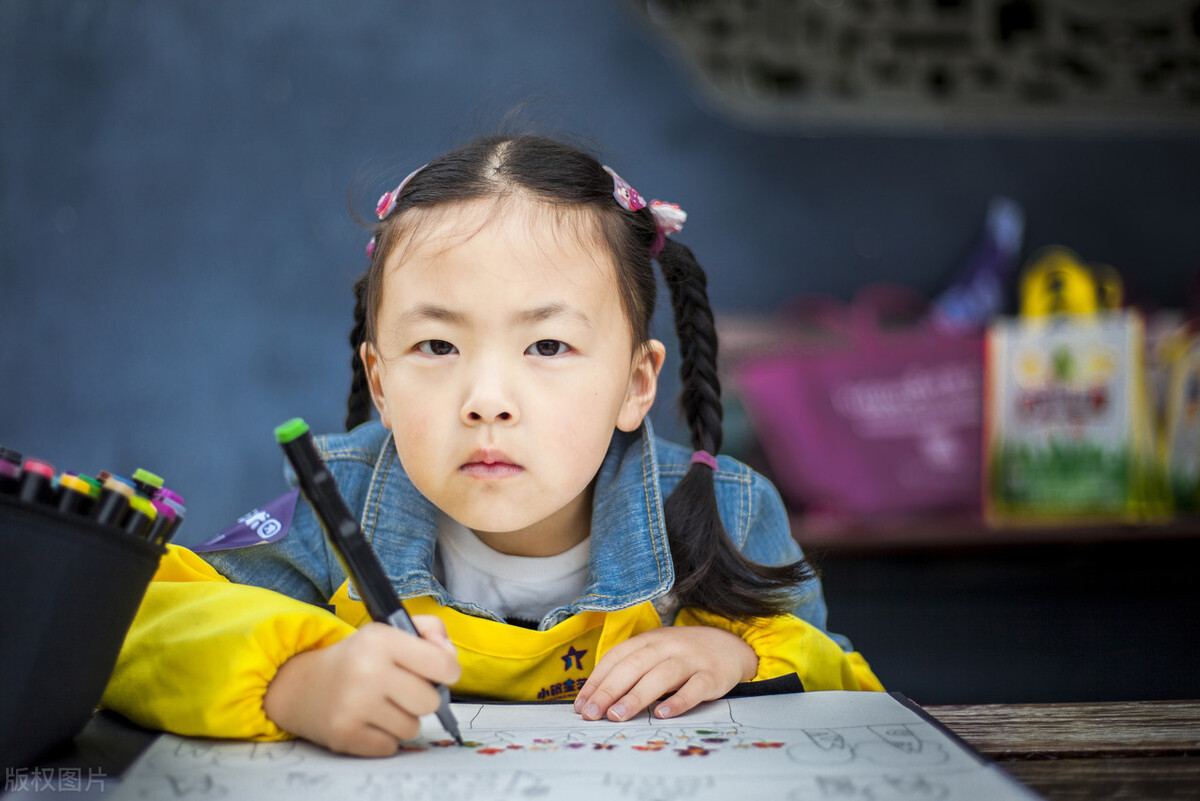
x,y
201,651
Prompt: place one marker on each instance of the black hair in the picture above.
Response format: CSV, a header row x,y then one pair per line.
x,y
710,572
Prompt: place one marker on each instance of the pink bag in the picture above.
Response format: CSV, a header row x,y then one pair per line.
x,y
872,421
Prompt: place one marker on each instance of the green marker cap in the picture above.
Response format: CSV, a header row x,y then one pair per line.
x,y
292,429
94,486
144,506
146,477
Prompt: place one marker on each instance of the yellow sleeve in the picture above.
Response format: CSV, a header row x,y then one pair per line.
x,y
201,651
787,644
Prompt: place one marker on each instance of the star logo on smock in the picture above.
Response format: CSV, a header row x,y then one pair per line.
x,y
573,654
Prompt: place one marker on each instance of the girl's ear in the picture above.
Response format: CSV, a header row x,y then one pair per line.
x,y
643,386
374,367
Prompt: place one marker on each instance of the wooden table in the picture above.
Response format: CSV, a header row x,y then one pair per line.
x,y
1144,750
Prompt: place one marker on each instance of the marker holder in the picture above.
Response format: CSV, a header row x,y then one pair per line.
x,y
69,589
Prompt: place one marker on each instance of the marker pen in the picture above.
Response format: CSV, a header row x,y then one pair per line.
x,y
123,480
146,482
10,477
360,562
11,456
168,494
35,482
76,495
113,503
175,501
94,486
165,518
139,518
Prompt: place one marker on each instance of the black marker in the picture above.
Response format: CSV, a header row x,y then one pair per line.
x,y
37,482
164,519
10,477
113,503
354,552
175,501
10,471
76,495
139,518
146,483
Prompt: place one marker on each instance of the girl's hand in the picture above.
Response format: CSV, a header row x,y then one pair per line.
x,y
701,662
365,694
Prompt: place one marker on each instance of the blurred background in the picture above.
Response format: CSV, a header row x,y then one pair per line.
x,y
177,247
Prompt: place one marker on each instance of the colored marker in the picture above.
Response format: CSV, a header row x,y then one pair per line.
x,y
114,501
76,495
9,455
35,482
354,552
175,501
165,518
140,516
10,477
94,486
146,482
169,533
168,494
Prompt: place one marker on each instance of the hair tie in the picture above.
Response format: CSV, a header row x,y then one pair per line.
x,y
387,204
625,194
668,217
704,457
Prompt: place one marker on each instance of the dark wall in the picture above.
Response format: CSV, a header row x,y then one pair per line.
x,y
176,253
1084,621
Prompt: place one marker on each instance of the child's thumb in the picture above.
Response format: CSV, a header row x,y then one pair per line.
x,y
431,628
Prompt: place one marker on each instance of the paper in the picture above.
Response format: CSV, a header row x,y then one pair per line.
x,y
828,745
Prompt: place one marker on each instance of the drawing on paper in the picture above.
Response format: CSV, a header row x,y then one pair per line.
x,y
818,745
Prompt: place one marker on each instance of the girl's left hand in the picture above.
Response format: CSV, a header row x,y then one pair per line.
x,y
701,662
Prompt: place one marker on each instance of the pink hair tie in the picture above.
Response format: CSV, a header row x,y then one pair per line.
x,y
668,217
625,195
387,204
704,457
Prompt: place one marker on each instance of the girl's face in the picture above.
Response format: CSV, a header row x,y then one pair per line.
x,y
503,363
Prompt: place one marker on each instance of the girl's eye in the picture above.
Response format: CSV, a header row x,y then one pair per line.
x,y
435,347
547,347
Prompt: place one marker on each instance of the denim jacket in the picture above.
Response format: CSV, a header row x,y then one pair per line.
x,y
630,558
215,627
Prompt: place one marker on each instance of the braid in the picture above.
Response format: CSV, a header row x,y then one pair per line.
x,y
701,398
710,572
358,403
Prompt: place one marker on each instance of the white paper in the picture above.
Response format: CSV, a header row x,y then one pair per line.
x,y
827,745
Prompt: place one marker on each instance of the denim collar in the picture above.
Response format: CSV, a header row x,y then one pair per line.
x,y
630,558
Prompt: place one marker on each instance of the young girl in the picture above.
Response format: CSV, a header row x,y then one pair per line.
x,y
547,543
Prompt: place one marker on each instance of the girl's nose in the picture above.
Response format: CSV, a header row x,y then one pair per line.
x,y
486,415
488,402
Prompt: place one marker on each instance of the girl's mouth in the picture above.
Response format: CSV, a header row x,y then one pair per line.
x,y
491,470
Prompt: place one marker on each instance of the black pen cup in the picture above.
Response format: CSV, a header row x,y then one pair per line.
x,y
69,590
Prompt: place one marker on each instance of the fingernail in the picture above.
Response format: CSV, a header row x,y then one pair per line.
x,y
616,711
591,711
663,711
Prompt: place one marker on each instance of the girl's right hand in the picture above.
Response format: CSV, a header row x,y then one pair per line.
x,y
364,695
